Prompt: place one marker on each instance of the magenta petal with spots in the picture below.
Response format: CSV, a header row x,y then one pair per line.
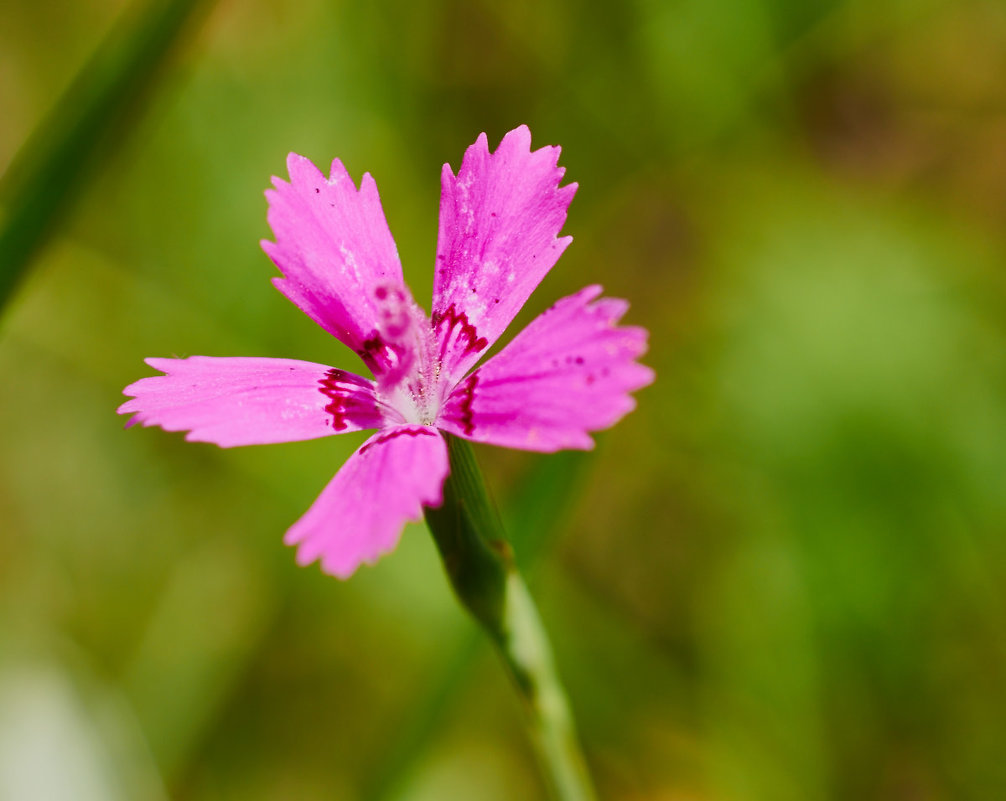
x,y
333,247
499,222
569,372
360,514
249,401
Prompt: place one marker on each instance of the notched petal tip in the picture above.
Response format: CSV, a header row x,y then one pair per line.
x,y
368,185
646,375
568,191
305,174
295,163
560,243
163,363
337,170
518,138
272,250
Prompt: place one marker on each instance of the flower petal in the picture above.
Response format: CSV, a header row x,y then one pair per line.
x,y
249,401
333,247
499,219
360,514
567,373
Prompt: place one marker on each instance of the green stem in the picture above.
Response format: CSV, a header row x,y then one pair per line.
x,y
482,572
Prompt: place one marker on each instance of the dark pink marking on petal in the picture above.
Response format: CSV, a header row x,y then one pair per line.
x,y
466,402
372,352
331,389
465,331
394,434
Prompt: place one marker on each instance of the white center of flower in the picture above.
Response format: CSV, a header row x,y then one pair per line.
x,y
410,383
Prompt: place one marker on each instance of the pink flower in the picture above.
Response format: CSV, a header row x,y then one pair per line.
x,y
569,372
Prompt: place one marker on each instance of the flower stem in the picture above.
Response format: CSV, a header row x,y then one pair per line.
x,y
482,572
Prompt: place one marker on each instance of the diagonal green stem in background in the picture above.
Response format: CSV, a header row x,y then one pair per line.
x,y
482,572
86,124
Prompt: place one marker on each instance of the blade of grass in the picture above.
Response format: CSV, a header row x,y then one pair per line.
x,y
79,135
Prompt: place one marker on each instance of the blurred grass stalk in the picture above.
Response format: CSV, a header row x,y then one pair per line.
x,y
85,126
481,568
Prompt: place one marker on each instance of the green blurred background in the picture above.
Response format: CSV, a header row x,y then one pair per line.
x,y
781,578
